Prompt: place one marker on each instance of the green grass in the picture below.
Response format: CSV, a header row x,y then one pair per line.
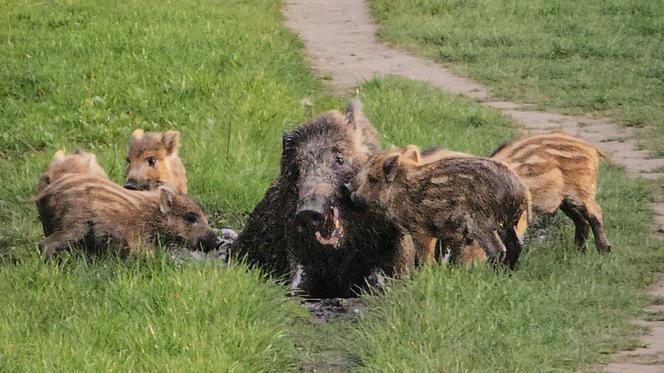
x,y
604,57
231,78
142,316
84,74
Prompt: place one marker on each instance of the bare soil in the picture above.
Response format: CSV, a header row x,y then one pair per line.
x,y
340,40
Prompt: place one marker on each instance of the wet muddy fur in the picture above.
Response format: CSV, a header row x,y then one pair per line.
x,y
305,219
463,202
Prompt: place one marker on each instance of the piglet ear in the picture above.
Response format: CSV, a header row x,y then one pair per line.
x,y
59,155
412,153
391,167
365,136
165,199
137,134
171,141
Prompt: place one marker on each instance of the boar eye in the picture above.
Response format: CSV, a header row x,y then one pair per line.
x,y
191,217
339,159
151,161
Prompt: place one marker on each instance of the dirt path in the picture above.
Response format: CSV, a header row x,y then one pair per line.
x,y
340,40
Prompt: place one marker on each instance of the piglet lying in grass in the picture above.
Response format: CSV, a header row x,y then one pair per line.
x,y
98,214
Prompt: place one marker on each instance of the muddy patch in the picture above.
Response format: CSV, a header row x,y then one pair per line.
x,y
334,309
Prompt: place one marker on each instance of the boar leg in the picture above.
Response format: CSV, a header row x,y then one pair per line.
x,y
582,227
58,241
425,248
297,280
513,244
470,254
406,257
493,246
593,213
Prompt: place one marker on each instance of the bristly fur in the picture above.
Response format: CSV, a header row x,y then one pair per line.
x,y
309,175
90,210
561,173
462,201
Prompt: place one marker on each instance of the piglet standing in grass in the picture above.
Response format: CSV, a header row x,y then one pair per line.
x,y
560,172
465,202
99,215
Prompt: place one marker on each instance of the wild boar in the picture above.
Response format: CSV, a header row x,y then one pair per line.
x,y
79,162
415,154
100,215
153,160
462,201
470,253
305,221
561,173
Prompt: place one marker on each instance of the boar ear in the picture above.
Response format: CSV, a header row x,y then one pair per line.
x,y
390,168
171,141
287,140
412,152
137,134
165,199
59,155
365,135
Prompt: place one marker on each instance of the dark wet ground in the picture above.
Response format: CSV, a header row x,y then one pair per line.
x,y
335,309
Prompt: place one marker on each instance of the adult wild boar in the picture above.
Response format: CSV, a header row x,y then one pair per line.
x,y
304,220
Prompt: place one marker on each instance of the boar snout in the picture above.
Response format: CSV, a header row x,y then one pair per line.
x,y
313,205
131,185
346,192
208,242
310,214
358,201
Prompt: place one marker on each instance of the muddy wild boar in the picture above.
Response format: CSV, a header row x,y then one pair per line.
x,y
304,220
561,173
463,202
470,253
153,160
102,216
79,162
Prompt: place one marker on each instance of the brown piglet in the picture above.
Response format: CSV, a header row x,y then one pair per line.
x,y
79,162
561,173
153,160
462,201
98,214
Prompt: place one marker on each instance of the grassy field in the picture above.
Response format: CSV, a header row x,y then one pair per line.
x,y
604,57
231,79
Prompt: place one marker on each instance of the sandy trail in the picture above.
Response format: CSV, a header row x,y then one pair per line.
x,y
340,40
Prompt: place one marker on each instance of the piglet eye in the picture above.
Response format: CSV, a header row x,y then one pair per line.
x,y
128,160
191,217
339,159
151,161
